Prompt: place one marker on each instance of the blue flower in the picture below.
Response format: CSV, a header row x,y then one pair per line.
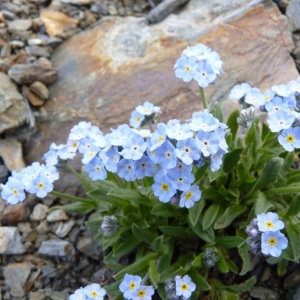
x,y
208,142
277,103
272,243
144,167
187,151
189,197
13,191
94,291
255,97
134,147
177,131
216,160
162,188
113,157
89,154
119,136
166,155
136,119
203,120
290,138
158,136
268,95
96,170
80,131
281,119
126,170
205,74
181,183
40,186
147,109
282,90
129,285
184,286
143,293
185,68
239,91
78,295
269,222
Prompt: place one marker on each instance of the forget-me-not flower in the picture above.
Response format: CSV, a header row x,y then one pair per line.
x,y
162,188
290,138
269,222
94,292
273,242
191,196
184,286
129,285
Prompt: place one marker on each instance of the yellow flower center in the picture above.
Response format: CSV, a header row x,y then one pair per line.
x,y
160,139
141,293
184,286
138,119
267,98
188,195
165,187
272,241
187,68
94,294
15,192
132,285
290,138
269,224
40,185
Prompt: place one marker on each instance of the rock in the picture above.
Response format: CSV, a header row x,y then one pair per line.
x,y
263,293
3,174
56,22
101,72
17,44
63,228
56,248
11,153
15,213
16,276
39,295
293,14
29,73
13,111
35,42
34,99
89,246
30,235
39,51
57,215
43,227
6,50
292,280
10,241
39,213
163,9
19,58
78,2
40,90
20,25
53,42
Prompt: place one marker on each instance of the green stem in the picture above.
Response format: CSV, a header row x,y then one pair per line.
x,y
146,277
203,98
68,197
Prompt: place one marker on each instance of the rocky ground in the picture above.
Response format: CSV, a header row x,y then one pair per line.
x,y
47,255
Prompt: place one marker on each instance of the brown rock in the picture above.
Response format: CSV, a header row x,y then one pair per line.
x,y
11,153
29,73
56,22
40,90
103,78
19,58
34,99
15,213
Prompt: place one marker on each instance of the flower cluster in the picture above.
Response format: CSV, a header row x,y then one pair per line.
x,y
132,288
180,288
265,236
90,292
35,179
199,63
281,105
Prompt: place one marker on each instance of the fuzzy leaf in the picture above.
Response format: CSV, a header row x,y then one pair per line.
x,y
229,241
232,123
294,207
229,215
195,212
200,282
231,159
153,274
293,232
165,210
244,254
210,215
142,234
217,111
262,205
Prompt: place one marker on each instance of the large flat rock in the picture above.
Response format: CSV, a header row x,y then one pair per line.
x,y
106,71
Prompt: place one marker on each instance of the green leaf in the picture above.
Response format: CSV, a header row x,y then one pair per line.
x,y
231,159
229,296
109,241
244,254
163,262
210,215
137,267
94,224
99,195
153,274
217,111
282,267
195,212
269,174
293,232
175,231
200,282
232,123
78,207
221,264
124,247
242,287
292,189
232,266
142,234
198,261
229,215
262,205
200,172
165,210
229,241
206,235
294,207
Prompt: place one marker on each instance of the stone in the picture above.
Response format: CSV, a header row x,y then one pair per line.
x,y
57,215
40,90
34,99
163,9
139,67
20,25
39,213
63,228
11,153
293,14
78,2
292,280
6,50
16,276
3,173
56,247
57,22
13,214
30,235
29,73
38,295
10,241
19,58
39,51
17,44
87,245
35,42
43,227
263,293
13,111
